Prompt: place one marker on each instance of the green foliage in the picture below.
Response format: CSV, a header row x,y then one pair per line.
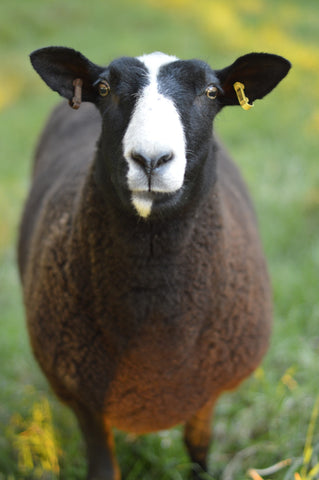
x,y
276,145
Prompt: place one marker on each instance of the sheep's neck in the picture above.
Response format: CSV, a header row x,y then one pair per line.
x,y
120,259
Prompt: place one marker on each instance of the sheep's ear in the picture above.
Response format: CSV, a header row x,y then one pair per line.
x,y
258,72
59,67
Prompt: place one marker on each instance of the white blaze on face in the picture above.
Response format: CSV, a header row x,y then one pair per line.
x,y
155,129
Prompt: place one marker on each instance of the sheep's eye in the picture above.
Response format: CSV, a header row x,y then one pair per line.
x,y
104,88
211,92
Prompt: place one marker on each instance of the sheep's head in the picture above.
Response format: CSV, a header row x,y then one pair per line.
x,y
157,113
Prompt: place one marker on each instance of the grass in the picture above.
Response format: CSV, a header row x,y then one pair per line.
x,y
276,145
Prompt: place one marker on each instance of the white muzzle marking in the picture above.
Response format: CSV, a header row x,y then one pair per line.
x,y
155,129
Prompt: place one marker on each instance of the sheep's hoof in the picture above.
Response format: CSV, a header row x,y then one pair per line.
x,y
101,477
197,473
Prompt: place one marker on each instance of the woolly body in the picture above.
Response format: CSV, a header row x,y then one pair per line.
x,y
112,304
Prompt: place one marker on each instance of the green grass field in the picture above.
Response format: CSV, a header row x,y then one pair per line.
x,y
276,146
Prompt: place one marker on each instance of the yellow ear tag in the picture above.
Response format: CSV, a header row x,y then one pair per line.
x,y
243,100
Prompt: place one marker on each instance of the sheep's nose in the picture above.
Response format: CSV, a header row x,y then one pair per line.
x,y
150,163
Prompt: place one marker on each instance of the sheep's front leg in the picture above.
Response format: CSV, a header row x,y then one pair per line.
x,y
99,440
197,437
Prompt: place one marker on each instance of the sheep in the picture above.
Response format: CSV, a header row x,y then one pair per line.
x,y
145,285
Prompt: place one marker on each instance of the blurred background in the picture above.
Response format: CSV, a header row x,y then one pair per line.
x,y
273,415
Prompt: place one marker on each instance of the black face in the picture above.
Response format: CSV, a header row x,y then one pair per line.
x,y
155,168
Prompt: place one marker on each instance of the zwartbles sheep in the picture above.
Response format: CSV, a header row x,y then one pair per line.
x,y
145,285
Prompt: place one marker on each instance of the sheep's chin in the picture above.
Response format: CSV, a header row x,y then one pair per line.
x,y
142,202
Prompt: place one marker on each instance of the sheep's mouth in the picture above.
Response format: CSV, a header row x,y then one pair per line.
x,y
151,195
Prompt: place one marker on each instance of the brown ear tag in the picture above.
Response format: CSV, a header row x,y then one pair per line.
x,y
242,99
77,98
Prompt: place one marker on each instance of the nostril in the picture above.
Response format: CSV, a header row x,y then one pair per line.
x,y
140,159
164,159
